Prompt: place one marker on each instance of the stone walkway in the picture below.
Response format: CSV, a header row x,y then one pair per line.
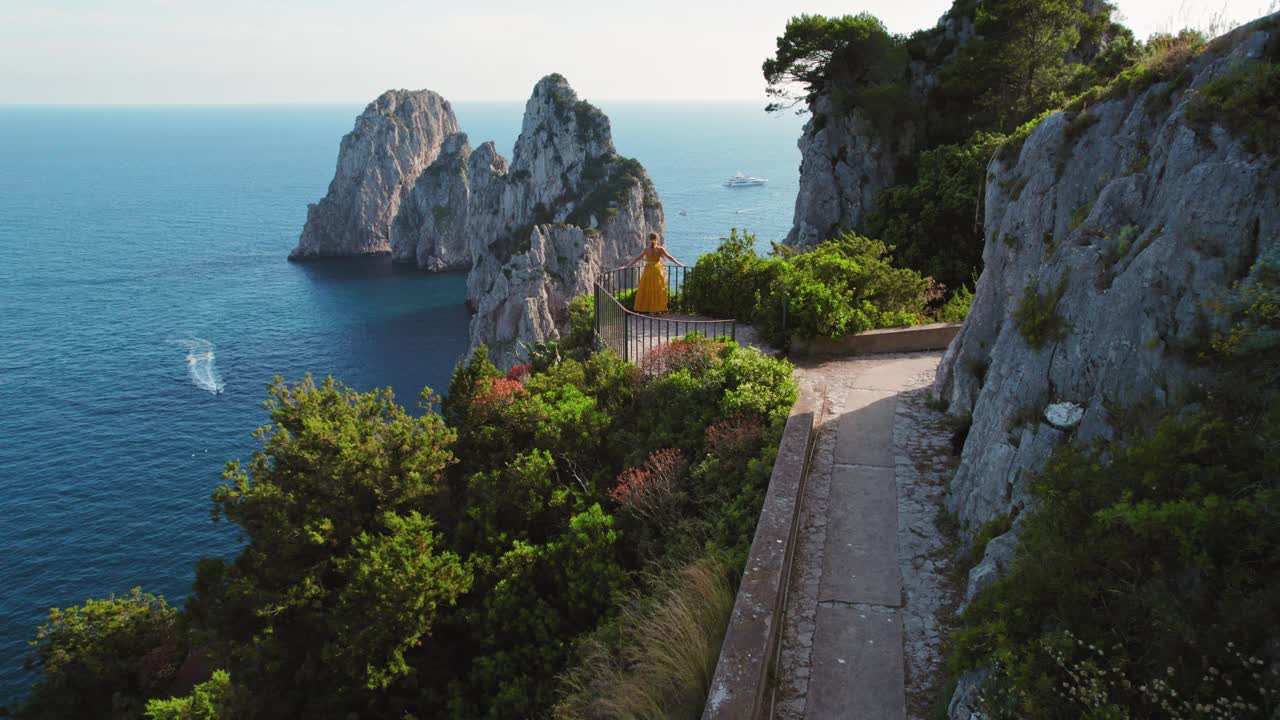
x,y
861,637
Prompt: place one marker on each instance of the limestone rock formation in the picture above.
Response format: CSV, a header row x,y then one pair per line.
x,y
430,228
848,156
569,207
534,234
1108,233
844,161
396,137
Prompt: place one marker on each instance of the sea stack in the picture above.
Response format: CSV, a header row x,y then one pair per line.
x,y
396,137
534,234
569,208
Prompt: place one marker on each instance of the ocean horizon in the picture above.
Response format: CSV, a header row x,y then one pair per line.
x,y
148,302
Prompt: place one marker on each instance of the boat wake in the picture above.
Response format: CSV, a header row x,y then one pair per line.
x,y
200,364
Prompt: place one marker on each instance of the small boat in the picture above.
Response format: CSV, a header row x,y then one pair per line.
x,y
684,212
741,180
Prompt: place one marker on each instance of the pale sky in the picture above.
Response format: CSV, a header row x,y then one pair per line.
x,y
289,51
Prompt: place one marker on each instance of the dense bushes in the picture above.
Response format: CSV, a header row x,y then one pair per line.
x,y
105,658
1246,101
935,222
942,109
454,565
1148,573
842,286
1143,569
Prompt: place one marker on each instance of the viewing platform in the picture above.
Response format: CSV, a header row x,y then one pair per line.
x,y
632,334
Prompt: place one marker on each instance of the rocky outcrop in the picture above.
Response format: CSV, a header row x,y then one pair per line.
x,y
534,234
846,158
1108,232
434,227
849,153
569,207
844,161
396,137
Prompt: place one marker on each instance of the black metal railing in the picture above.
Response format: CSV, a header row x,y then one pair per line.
x,y
633,334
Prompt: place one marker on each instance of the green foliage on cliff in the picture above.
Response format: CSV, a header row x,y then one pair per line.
x,y
448,565
853,57
1145,582
1037,315
210,700
1246,101
104,658
934,223
840,287
944,107
1022,61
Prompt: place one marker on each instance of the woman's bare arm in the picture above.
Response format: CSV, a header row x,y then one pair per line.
x,y
668,256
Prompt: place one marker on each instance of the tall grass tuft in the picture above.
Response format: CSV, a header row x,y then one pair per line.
x,y
658,659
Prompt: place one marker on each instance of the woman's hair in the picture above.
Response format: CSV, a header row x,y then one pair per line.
x,y
653,238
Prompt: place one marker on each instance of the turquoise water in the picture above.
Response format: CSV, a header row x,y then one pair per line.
x,y
145,302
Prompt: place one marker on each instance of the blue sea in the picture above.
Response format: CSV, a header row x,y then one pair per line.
x,y
145,303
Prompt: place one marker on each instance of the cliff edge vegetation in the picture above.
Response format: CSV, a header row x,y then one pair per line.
x,y
1115,386
577,512
902,126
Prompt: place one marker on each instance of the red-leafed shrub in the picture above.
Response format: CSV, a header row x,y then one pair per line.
x,y
642,490
736,435
159,665
500,393
696,353
519,372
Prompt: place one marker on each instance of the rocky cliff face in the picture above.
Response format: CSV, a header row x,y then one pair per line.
x,y
569,207
434,227
396,137
1107,234
846,159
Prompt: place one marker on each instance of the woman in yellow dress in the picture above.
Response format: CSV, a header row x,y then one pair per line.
x,y
651,295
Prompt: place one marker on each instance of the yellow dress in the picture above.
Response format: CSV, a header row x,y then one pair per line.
x,y
651,295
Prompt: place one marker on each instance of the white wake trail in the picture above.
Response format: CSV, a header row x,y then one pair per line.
x,y
200,364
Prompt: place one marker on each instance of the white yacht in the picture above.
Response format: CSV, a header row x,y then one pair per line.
x,y
741,180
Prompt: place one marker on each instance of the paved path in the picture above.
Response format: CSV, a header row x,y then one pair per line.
x,y
861,637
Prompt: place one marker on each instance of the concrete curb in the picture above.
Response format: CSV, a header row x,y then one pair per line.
x,y
935,336
741,688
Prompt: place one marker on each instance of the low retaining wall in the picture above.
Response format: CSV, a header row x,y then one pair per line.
x,y
916,338
741,688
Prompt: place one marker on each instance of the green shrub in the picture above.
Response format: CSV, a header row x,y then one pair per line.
x,y
1141,565
956,309
581,339
931,222
842,286
718,283
1245,101
210,700
103,659
1079,216
839,287
399,567
1038,318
